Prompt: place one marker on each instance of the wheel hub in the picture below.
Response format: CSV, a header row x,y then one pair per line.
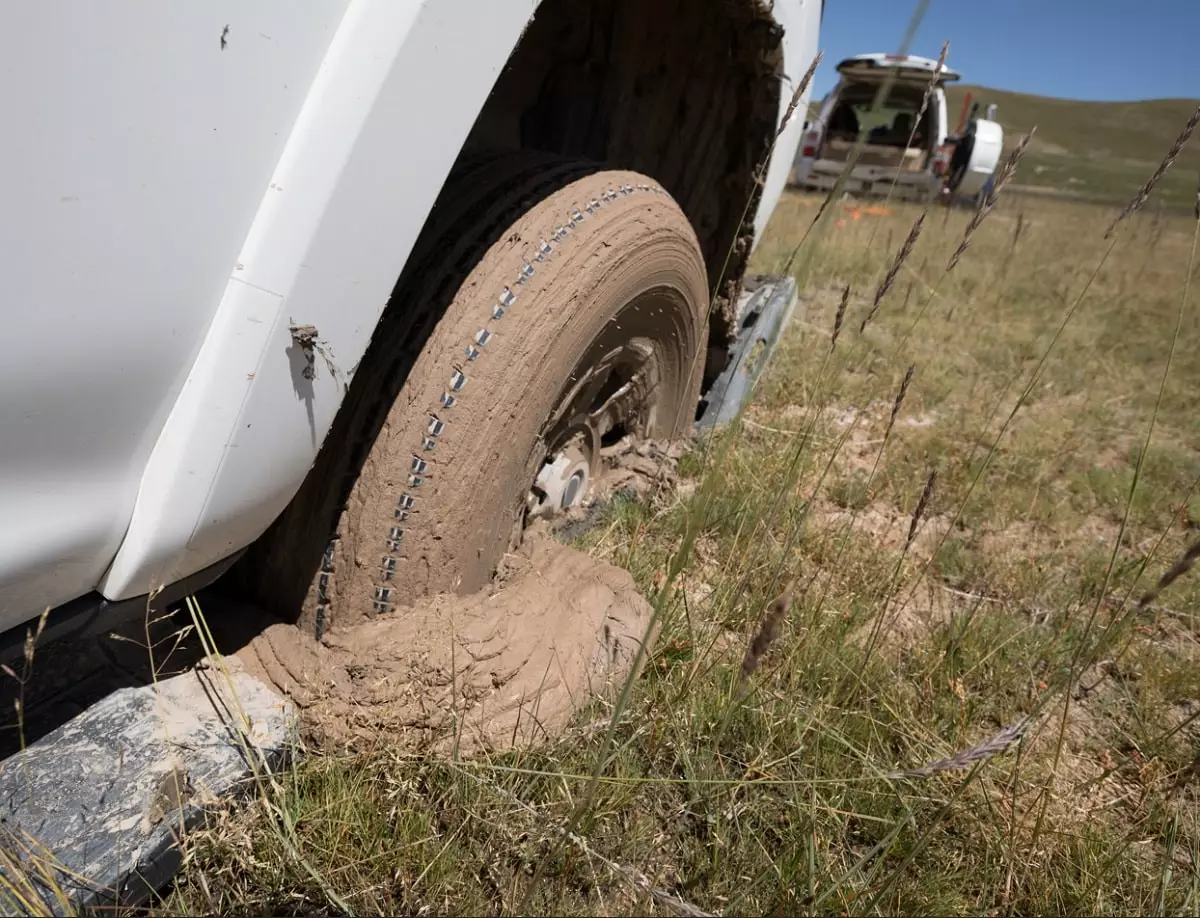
x,y
561,483
612,392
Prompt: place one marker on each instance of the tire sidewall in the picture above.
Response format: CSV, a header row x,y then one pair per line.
x,y
630,242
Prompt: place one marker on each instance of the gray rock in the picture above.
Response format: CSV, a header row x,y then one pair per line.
x,y
90,813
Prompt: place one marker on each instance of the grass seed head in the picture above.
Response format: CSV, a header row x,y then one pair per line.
x,y
801,88
899,400
840,317
968,758
901,256
985,205
1177,570
767,633
932,84
919,510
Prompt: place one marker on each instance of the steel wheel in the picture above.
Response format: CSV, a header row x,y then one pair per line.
x,y
581,318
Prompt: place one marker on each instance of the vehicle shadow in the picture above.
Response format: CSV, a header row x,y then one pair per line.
x,y
47,686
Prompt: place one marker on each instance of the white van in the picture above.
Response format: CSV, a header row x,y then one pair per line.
x,y
903,146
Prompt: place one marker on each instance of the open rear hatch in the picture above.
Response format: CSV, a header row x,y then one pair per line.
x,y
898,135
891,141
908,69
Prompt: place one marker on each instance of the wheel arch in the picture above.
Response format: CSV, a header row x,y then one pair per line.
x,y
246,429
685,91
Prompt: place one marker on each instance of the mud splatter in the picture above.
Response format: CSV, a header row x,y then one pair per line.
x,y
306,339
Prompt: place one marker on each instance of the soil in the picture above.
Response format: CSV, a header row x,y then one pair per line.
x,y
506,666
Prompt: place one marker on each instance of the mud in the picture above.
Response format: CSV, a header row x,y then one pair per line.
x,y
507,666
643,470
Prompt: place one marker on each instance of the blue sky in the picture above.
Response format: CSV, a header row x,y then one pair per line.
x,y
1109,50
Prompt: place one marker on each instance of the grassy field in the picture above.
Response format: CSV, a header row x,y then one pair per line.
x,y
963,703
1091,151
1101,151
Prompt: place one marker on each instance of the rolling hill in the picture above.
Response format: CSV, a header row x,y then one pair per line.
x,y
1101,151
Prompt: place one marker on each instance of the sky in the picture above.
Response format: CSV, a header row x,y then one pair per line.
x,y
1101,50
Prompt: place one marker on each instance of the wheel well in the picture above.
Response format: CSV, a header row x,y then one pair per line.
x,y
685,91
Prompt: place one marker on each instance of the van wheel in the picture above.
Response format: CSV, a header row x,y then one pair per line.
x,y
548,310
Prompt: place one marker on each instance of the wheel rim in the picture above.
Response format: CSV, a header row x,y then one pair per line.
x,y
612,393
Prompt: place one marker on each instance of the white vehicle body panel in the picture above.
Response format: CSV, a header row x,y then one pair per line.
x,y
362,180
199,191
135,154
985,157
801,21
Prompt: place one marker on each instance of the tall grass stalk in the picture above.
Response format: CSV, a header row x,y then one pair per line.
x,y
1185,563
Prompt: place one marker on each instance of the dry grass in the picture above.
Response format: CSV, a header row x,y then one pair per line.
x,y
903,667
1092,150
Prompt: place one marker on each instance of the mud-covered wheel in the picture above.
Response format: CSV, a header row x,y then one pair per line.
x,y
567,309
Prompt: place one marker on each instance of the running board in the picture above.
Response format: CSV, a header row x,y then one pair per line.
x,y
764,310
90,814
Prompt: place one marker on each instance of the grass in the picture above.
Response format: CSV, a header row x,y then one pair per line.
x,y
1089,151
960,706
1100,151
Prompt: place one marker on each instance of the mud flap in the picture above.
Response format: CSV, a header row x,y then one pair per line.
x,y
764,310
90,814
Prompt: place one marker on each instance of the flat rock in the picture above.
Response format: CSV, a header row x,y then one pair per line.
x,y
90,813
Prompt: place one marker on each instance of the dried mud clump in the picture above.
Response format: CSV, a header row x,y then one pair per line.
x,y
504,667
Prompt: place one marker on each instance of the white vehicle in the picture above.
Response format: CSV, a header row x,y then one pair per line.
x,y
905,152
360,285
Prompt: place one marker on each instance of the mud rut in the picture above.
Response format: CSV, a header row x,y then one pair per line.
x,y
506,666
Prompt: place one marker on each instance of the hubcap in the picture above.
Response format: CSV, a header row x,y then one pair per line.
x,y
561,482
611,395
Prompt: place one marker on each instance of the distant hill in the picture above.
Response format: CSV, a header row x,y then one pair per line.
x,y
1102,151
1098,150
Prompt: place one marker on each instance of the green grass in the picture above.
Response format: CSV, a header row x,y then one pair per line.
x,y
1037,367
1102,151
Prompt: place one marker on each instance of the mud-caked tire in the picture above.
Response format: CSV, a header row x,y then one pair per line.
x,y
525,266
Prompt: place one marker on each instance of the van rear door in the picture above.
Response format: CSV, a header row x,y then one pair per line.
x,y
865,68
